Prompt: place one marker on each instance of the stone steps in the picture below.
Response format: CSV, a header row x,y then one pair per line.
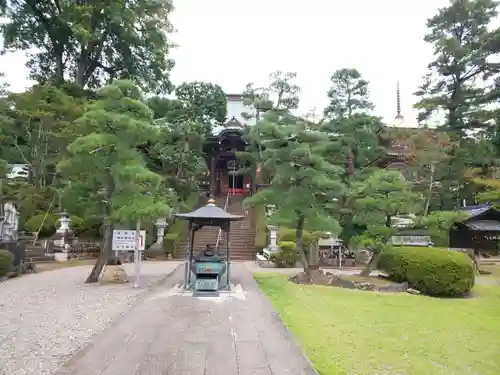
x,y
242,236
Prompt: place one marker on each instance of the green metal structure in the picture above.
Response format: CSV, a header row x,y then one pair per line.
x,y
208,272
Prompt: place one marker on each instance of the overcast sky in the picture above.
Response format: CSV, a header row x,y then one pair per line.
x,y
233,42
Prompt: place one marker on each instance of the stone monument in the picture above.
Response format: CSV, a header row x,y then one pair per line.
x,y
62,238
157,248
273,234
9,223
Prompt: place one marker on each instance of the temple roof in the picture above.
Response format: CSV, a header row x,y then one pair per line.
x,y
233,123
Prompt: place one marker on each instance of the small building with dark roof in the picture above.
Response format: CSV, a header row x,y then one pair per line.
x,y
480,230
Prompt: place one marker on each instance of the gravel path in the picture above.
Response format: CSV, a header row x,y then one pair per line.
x,y
46,317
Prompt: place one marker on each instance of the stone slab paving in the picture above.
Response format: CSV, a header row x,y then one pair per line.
x,y
46,317
171,332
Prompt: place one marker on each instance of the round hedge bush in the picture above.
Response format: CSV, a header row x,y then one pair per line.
x,y
433,271
6,259
286,256
288,235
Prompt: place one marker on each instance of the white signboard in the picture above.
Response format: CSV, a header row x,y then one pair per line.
x,y
124,240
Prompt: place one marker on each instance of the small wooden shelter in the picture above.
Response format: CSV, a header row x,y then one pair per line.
x,y
480,230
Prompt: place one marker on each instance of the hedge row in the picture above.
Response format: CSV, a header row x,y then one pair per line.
x,y
433,271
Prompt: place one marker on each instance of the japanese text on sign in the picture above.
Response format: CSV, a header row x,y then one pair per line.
x,y
124,240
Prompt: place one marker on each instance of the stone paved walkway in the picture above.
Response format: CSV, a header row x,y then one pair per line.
x,y
170,333
46,317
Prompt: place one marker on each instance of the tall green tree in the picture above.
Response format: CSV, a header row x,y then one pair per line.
x,y
384,195
283,90
465,45
203,102
179,149
276,100
168,110
348,94
92,42
304,187
104,168
354,136
280,95
39,129
354,146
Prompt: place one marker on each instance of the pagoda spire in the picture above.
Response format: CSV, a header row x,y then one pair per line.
x,y
399,116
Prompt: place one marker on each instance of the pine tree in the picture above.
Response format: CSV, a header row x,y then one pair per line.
x,y
304,188
466,48
384,195
348,94
105,169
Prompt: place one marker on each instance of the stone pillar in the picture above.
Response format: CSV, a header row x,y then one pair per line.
x,y
160,224
62,238
273,230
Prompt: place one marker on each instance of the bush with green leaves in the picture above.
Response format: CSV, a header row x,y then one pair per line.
x,y
6,259
179,229
288,235
287,255
46,224
433,271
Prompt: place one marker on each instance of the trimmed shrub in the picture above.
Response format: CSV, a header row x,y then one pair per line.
x,y
433,271
287,255
288,235
6,259
47,227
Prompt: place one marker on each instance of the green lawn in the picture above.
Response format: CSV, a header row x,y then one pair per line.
x,y
353,332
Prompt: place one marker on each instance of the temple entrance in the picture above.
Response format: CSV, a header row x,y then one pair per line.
x,y
235,181
228,174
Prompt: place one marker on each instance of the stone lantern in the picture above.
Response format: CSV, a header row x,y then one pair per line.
x,y
62,238
157,248
160,225
273,230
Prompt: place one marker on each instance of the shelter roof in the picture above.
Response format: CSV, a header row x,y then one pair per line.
x,y
209,212
484,225
477,210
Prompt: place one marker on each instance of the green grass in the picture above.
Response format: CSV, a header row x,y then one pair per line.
x,y
353,332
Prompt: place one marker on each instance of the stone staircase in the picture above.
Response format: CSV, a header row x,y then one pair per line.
x,y
242,235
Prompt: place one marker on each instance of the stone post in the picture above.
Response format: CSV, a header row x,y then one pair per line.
x,y
160,224
62,238
273,246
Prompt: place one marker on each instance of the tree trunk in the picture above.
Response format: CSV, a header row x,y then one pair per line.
x,y
298,241
107,241
429,192
372,264
104,254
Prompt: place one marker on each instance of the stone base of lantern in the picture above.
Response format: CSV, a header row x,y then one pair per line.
x,y
61,257
114,275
